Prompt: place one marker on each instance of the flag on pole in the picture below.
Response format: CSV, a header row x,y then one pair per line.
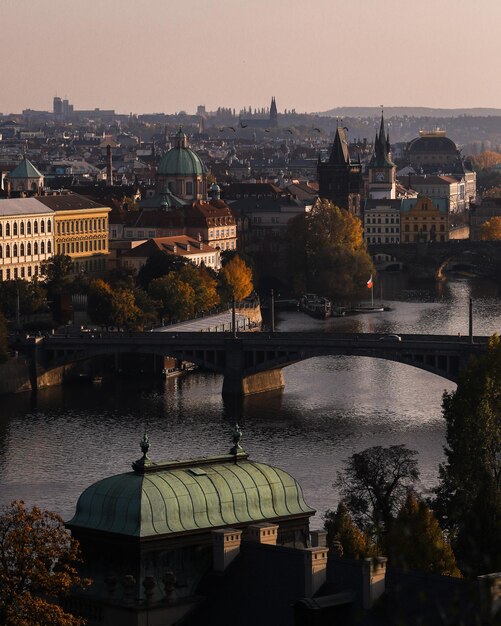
x,y
370,284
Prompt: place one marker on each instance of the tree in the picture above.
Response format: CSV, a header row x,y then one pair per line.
x,y
491,230
124,312
38,561
57,271
32,297
159,264
176,298
203,284
416,541
99,302
374,485
468,497
327,253
3,339
340,527
486,160
236,279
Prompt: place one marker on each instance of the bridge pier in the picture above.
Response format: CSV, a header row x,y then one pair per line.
x,y
235,384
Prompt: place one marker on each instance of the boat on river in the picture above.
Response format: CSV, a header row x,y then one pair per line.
x,y
316,306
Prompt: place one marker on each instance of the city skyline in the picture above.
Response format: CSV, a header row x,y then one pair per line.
x,y
156,57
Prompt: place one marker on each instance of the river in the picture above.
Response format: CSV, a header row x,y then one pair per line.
x,y
331,407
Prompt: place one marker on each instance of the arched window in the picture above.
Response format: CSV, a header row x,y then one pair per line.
x,y
22,249
35,248
14,250
28,228
28,249
1,252
7,251
35,227
7,229
42,247
22,228
42,226
1,229
49,248
49,226
15,229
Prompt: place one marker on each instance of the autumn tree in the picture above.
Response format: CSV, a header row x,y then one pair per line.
x,y
416,541
124,312
374,485
340,527
468,497
485,160
175,297
491,230
38,560
31,297
57,271
327,253
203,284
99,302
236,279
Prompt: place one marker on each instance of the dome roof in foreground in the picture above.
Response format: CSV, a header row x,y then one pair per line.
x,y
194,495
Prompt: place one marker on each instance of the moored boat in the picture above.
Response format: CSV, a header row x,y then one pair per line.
x,y
316,306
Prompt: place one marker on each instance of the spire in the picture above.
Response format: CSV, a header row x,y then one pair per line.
x,y
339,153
381,156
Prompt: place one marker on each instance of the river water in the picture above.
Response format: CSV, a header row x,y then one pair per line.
x,y
331,407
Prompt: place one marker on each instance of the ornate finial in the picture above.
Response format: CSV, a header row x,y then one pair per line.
x,y
140,465
237,435
145,445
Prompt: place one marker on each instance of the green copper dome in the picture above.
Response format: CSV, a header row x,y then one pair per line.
x,y
194,495
181,160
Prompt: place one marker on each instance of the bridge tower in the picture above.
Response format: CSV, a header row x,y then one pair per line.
x,y
382,170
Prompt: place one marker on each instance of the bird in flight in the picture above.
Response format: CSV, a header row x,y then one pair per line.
x,y
318,130
243,125
231,128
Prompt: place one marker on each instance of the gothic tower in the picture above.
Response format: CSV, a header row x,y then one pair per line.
x,y
382,170
340,178
273,113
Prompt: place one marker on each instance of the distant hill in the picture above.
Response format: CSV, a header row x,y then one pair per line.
x,y
409,112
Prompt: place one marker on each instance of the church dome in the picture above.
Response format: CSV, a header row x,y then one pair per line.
x,y
181,160
186,496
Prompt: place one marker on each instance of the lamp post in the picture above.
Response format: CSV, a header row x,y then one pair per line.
x,y
272,311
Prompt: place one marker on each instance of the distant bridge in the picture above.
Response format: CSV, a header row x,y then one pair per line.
x,y
430,259
253,362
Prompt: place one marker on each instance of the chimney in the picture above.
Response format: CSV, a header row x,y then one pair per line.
x,y
373,573
264,533
315,570
490,596
225,547
318,538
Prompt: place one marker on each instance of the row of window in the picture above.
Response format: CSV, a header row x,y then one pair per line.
x,y
22,250
25,228
385,230
74,247
387,220
383,239
89,265
19,272
229,232
82,226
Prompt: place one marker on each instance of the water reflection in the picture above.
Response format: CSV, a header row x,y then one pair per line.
x,y
331,407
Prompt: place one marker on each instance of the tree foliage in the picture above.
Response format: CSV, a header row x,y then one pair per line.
x,y
485,160
236,279
176,299
203,285
159,264
327,253
468,498
341,527
32,297
38,561
374,485
416,541
57,271
3,339
491,230
112,307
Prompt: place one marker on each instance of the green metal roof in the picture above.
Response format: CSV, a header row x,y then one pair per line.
x,y
181,161
194,495
25,169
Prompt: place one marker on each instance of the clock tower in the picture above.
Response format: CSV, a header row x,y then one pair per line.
x,y
382,170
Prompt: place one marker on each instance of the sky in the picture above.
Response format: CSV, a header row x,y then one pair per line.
x,y
145,56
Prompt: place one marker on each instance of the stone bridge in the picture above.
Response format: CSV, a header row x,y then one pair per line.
x,y
253,362
429,260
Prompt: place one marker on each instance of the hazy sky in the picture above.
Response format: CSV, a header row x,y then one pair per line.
x,y
312,55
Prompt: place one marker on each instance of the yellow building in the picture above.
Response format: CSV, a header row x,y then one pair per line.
x,y
80,230
424,219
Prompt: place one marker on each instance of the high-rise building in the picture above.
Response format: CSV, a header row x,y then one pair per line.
x,y
57,107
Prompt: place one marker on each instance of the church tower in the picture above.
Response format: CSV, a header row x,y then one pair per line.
x,y
382,170
340,178
273,113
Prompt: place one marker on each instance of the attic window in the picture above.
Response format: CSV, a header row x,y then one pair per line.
x,y
196,471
